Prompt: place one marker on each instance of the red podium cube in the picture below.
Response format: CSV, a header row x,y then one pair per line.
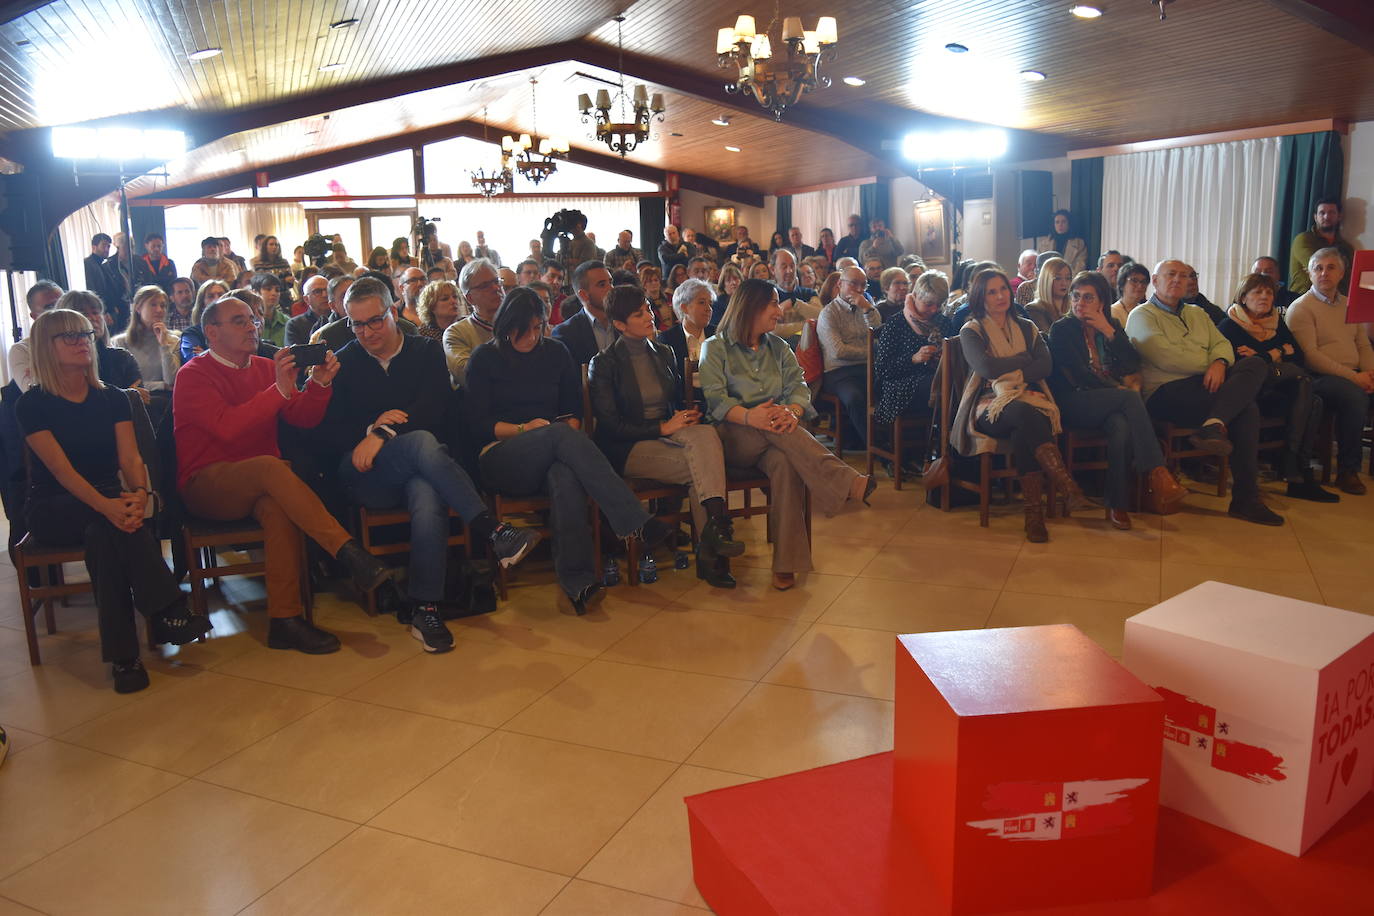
x,y
1026,765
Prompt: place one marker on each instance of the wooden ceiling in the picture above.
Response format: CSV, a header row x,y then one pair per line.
x,y
413,66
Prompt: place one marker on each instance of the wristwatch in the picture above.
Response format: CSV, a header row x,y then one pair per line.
x,y
384,432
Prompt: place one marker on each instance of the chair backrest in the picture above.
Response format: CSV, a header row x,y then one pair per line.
x,y
953,373
870,373
689,372
809,355
588,418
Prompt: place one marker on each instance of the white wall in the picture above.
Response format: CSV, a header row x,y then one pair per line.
x,y
760,220
1359,184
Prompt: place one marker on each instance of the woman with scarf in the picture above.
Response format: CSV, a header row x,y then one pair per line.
x,y
909,350
1006,398
1254,328
1096,384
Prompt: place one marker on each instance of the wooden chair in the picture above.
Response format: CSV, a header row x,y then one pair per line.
x,y
896,430
1173,441
201,541
52,585
1075,442
827,403
372,522
953,374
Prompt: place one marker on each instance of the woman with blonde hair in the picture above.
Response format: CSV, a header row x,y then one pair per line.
x,y
153,345
90,488
440,305
1051,300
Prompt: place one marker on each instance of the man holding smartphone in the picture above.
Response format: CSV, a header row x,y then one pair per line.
x,y
386,422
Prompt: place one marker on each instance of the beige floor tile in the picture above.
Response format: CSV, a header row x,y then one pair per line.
x,y
942,564
235,633
1088,535
1230,542
14,649
53,793
1338,558
1351,593
196,849
1352,519
19,740
1179,577
479,682
545,804
368,650
877,524
541,619
755,595
648,711
1103,621
708,642
195,724
652,853
1086,577
10,908
1005,527
371,871
778,730
64,692
840,660
887,604
830,555
582,899
348,759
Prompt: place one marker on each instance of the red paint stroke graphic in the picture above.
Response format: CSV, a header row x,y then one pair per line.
x,y
1040,811
1194,725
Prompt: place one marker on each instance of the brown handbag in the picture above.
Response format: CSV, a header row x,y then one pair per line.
x,y
936,473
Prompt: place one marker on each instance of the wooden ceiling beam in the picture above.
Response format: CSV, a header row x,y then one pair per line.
x,y
1349,20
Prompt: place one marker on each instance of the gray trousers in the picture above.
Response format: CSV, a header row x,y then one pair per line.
x,y
692,456
795,464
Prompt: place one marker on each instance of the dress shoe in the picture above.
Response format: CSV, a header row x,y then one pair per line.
x,y
178,626
300,634
1120,519
1349,482
1252,509
367,571
1212,439
129,677
587,599
1166,493
784,581
1311,490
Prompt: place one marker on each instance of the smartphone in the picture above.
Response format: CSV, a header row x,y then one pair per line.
x,y
308,355
567,416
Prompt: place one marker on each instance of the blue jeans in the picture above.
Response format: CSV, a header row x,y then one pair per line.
x,y
565,465
415,470
1131,444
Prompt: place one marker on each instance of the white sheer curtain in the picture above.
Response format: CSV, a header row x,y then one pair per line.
x,y
239,222
1211,206
509,222
830,209
75,233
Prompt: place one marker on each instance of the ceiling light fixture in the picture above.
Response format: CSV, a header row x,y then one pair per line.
x,y
855,81
1032,76
344,24
501,181
1083,11
733,149
205,53
955,48
777,82
535,157
620,123
721,120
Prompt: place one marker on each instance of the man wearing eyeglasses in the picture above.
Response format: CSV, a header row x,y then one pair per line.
x,y
338,333
317,311
412,282
481,286
225,409
386,422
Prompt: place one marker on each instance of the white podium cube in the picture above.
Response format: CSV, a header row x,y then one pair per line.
x,y
1268,709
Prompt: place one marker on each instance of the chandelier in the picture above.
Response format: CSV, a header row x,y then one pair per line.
x,y
535,157
621,124
776,81
490,184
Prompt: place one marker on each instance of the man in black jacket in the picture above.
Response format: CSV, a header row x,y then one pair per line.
x,y
103,279
385,418
589,331
155,268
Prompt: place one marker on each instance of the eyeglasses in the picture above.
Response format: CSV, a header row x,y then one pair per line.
x,y
238,321
374,323
74,337
493,283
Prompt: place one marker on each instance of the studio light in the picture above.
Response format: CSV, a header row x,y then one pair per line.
x,y
119,144
954,148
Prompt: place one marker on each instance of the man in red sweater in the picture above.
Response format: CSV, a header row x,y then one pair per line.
x,y
225,411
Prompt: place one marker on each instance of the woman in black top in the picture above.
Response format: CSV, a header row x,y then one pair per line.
x,y
524,399
1254,328
82,436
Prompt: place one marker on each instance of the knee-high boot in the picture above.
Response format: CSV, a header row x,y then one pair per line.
x,y
1033,491
1053,464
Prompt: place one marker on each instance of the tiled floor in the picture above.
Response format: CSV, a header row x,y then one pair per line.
x,y
540,768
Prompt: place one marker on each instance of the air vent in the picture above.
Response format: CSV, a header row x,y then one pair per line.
x,y
977,187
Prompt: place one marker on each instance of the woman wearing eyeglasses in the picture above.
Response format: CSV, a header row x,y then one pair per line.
x,y
89,487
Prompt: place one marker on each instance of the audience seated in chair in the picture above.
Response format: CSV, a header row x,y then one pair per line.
x,y
1132,288
896,284
481,287
692,304
225,412
1190,377
843,328
90,487
908,354
1096,383
1051,300
1006,398
153,345
588,331
756,396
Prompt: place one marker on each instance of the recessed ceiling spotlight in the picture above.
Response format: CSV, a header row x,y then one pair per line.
x,y
733,149
1032,76
343,24
675,134
328,67
205,54
1083,11
854,81
721,120
955,48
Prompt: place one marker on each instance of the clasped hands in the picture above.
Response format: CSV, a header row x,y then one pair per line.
x,y
126,510
771,417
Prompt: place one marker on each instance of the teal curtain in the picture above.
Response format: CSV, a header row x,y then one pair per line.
x,y
875,202
1311,167
1085,196
652,218
784,217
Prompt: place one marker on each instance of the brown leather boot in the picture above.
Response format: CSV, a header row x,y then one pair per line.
x,y
1166,493
1033,491
1120,519
1053,464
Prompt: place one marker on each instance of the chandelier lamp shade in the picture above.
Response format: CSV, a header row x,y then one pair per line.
x,y
490,184
777,78
620,121
535,157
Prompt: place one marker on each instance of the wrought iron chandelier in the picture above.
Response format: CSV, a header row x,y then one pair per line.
x,y
490,184
535,157
777,81
621,124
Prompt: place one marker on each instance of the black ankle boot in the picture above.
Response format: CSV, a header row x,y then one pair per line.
x,y
715,571
300,634
718,538
367,571
178,626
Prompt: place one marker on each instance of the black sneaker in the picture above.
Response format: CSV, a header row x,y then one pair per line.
x,y
428,627
178,626
586,599
300,634
129,677
511,544
1311,490
1212,439
1252,509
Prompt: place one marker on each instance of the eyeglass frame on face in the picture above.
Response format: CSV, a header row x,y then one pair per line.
x,y
74,337
486,284
240,322
375,323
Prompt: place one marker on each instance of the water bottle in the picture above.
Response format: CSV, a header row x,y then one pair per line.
x,y
648,569
611,575
682,559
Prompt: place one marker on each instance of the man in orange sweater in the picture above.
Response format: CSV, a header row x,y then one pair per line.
x,y
225,410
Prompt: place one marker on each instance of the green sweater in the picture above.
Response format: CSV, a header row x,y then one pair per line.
x,y
1174,345
1304,246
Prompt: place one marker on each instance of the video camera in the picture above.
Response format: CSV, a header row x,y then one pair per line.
x,y
561,225
318,248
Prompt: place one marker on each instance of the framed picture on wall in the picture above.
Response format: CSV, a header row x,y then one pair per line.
x,y
720,222
932,232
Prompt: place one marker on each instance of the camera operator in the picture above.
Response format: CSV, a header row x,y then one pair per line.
x,y
570,227
434,253
881,245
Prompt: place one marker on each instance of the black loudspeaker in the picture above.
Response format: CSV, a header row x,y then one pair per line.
x,y
1037,203
22,240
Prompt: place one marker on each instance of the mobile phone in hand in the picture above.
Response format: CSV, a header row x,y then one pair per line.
x,y
308,355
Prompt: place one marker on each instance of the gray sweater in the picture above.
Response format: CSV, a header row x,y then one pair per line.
x,y
1329,345
843,331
